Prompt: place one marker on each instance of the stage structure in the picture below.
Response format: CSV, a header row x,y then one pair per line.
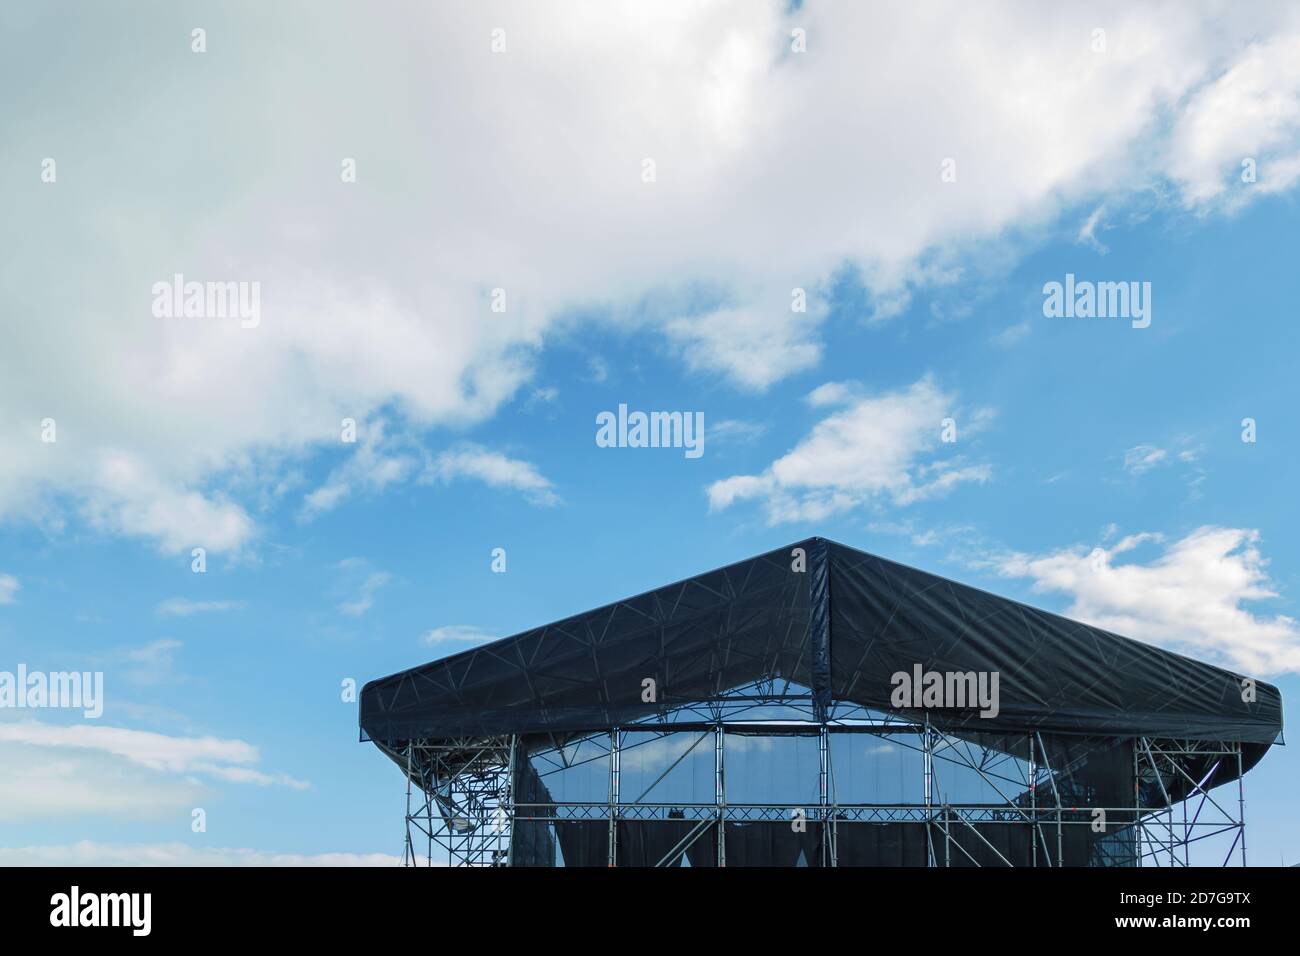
x,y
820,706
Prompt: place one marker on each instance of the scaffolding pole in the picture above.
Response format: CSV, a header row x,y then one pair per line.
x,y
613,796
720,789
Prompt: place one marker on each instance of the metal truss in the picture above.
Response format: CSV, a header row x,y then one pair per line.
x,y
462,799
1165,840
458,798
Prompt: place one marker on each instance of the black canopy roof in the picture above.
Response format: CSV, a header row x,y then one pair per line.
x,y
838,621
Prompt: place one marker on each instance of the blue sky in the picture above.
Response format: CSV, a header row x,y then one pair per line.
x,y
1098,471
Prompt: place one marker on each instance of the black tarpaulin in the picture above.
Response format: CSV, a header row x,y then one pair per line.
x,y
696,639
954,842
773,844
639,843
840,622
531,841
881,844
1055,675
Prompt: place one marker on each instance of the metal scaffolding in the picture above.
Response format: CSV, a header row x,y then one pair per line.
x,y
459,799
464,803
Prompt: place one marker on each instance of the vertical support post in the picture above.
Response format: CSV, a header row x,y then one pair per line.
x,y
1186,833
1241,803
947,836
1056,797
1169,809
613,796
511,779
1033,797
1060,838
927,746
408,851
428,824
1137,802
720,789
830,849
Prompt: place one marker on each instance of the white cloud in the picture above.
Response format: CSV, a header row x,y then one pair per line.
x,y
184,607
877,448
457,634
754,345
89,853
1250,111
833,393
926,538
378,460
152,663
384,457
468,460
772,173
8,588
546,395
48,783
124,496
1088,231
1012,334
153,750
55,770
1189,598
365,581
251,775
736,431
1142,458
325,498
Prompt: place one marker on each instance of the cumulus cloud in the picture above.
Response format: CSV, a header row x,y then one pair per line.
x,y
1192,598
8,588
123,495
753,345
1248,114
89,853
523,172
876,447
